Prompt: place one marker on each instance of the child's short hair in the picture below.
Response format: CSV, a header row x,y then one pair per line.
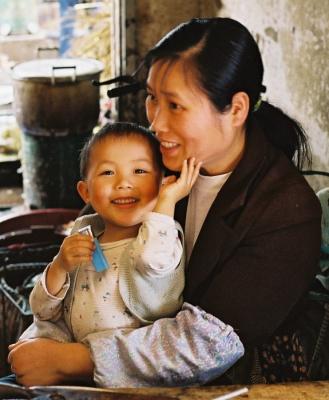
x,y
119,130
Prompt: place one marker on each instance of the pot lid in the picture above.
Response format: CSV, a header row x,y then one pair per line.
x,y
57,70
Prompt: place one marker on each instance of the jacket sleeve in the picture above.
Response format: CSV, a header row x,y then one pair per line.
x,y
190,349
260,284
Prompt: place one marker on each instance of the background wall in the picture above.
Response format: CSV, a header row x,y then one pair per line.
x,y
155,18
146,22
293,36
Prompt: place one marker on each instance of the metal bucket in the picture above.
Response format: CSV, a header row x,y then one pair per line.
x,y
56,107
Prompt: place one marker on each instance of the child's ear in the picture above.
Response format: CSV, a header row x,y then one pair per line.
x,y
83,191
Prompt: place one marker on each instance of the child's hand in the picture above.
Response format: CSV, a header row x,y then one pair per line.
x,y
76,250
176,189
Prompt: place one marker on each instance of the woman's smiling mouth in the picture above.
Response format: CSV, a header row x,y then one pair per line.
x,y
168,145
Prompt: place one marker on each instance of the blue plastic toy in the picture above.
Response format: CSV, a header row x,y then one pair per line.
x,y
99,260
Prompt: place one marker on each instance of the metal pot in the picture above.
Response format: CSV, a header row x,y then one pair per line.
x,y
56,107
56,97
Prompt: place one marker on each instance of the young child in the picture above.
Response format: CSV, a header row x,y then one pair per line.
x,y
122,179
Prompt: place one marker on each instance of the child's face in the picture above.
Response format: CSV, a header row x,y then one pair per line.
x,y
122,182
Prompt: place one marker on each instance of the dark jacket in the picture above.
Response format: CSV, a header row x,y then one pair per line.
x,y
258,249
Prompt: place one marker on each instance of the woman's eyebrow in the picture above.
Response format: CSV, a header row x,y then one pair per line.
x,y
165,92
170,94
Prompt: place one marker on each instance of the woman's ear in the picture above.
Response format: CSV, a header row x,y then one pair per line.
x,y
239,108
83,191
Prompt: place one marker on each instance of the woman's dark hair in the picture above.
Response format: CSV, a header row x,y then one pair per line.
x,y
119,130
227,60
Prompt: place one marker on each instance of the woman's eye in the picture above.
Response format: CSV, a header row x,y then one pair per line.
x,y
174,106
150,97
140,171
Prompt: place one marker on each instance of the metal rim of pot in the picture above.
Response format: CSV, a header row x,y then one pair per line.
x,y
57,70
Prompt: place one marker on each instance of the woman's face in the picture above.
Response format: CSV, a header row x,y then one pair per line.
x,y
186,122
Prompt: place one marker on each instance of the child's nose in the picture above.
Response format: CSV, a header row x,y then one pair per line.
x,y
124,183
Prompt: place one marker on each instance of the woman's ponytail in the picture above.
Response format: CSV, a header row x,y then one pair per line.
x,y
284,133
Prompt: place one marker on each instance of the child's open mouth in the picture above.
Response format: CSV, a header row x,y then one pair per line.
x,y
125,201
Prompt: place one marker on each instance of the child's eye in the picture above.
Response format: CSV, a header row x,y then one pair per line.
x,y
140,171
107,172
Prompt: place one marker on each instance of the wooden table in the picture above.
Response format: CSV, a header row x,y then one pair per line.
x,y
290,391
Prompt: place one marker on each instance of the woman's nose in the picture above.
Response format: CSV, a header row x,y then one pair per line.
x,y
159,121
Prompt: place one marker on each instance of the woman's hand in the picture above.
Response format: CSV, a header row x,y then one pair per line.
x,y
38,362
174,189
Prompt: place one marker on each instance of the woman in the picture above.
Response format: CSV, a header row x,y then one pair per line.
x,y
252,222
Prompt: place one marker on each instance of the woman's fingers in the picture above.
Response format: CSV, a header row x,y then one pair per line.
x,y
12,347
16,344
